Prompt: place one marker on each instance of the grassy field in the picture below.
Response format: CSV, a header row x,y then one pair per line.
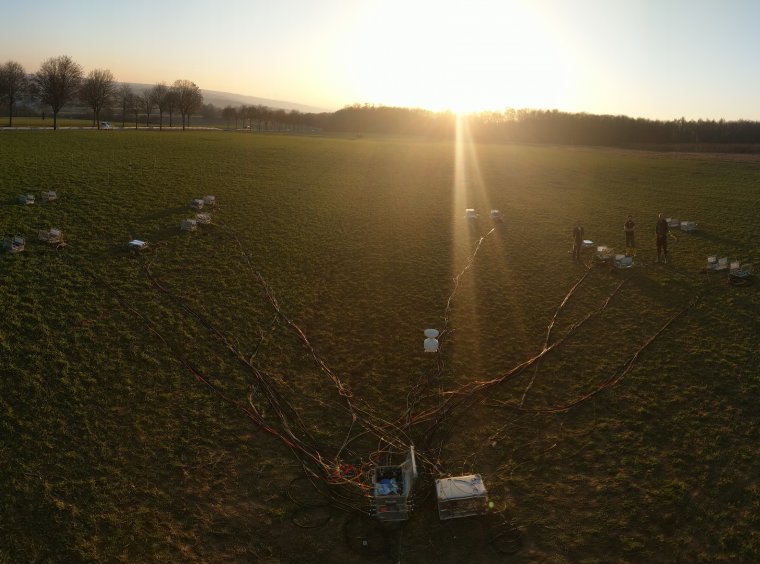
x,y
38,122
115,447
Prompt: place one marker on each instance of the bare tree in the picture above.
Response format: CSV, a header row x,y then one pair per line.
x,y
57,82
195,102
160,93
13,85
210,111
98,91
123,97
251,114
228,113
242,113
134,104
189,98
172,102
279,116
148,104
264,116
294,118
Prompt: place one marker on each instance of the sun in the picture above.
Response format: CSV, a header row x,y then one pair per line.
x,y
453,56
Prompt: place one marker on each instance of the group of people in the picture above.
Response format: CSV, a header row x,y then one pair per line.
x,y
661,230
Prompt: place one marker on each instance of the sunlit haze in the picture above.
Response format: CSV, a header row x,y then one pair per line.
x,y
654,59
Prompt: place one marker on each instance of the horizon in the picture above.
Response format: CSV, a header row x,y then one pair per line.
x,y
284,105
647,61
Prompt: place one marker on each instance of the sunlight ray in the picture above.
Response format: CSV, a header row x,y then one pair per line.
x,y
466,234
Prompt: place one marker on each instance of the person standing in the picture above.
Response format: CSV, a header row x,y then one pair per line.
x,y
661,231
630,244
577,241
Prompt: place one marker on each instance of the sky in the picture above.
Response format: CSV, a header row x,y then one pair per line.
x,y
656,59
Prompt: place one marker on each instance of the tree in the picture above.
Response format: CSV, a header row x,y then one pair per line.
x,y
13,85
249,115
160,93
210,111
245,113
195,102
148,104
172,102
97,91
229,113
296,120
279,116
263,115
134,104
123,97
189,98
57,82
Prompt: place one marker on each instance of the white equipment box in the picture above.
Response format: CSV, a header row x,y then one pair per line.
x,y
461,496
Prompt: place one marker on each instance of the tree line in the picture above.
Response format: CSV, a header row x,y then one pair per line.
x,y
60,81
548,127
543,126
263,118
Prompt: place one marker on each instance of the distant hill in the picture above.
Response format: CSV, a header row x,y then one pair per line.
x,y
222,99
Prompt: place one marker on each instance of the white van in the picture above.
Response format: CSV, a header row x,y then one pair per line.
x,y
105,125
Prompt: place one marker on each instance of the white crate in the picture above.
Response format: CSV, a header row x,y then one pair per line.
x,y
461,496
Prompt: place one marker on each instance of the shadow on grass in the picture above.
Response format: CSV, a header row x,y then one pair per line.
x,y
716,239
10,202
661,287
168,212
171,232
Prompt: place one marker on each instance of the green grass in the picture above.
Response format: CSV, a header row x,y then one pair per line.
x,y
47,122
112,450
